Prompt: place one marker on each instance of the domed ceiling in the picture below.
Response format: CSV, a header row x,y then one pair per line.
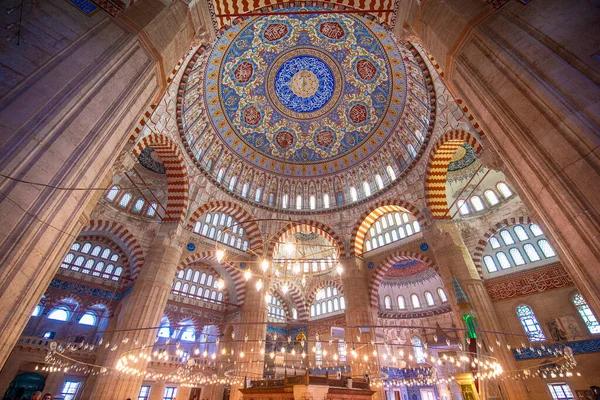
x,y
285,99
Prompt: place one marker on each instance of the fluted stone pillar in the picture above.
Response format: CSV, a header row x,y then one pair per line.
x,y
454,261
253,324
143,308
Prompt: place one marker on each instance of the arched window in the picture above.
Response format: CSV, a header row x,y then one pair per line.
x,y
547,250
294,313
298,202
67,261
388,302
165,328
353,193
326,200
379,181
416,303
232,183
494,242
477,203
411,149
504,190
139,204
429,299
536,230
112,193
245,189
418,350
125,200
59,314
220,175
506,237
391,173
328,300
188,334
503,260
89,318
530,324
586,313
463,207
257,195
531,252
151,209
442,295
96,251
367,188
401,303
491,197
521,233
37,311
517,257
490,264
312,201
284,201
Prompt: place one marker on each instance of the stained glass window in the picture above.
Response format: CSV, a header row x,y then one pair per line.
x,y
530,324
586,313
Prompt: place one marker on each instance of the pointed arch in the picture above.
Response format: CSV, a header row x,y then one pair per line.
x,y
237,278
244,217
362,224
305,225
297,299
383,268
441,155
177,175
324,284
122,237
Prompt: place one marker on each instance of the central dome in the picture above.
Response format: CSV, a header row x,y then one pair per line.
x,y
285,81
300,96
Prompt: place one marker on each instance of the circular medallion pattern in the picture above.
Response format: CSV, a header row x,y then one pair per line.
x,y
296,97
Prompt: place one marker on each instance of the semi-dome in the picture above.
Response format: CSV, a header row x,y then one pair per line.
x,y
291,111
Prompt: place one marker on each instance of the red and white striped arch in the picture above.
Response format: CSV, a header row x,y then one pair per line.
x,y
441,155
324,284
177,175
121,236
383,268
236,276
305,226
296,297
228,11
362,225
477,254
238,213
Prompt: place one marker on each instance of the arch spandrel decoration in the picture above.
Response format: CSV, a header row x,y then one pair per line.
x,y
251,227
210,256
120,235
441,156
382,268
361,227
177,175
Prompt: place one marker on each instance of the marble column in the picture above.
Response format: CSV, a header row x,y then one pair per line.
x,y
143,308
157,391
253,324
452,258
359,314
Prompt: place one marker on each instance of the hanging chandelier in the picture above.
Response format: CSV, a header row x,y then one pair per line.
x,y
286,256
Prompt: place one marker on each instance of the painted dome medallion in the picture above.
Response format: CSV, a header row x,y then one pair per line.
x,y
300,96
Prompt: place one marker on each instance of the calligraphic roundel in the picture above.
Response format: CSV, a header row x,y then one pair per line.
x,y
332,30
365,69
325,138
252,115
275,32
284,139
244,71
358,113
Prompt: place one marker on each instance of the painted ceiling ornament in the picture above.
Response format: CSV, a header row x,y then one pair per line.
x,y
303,96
